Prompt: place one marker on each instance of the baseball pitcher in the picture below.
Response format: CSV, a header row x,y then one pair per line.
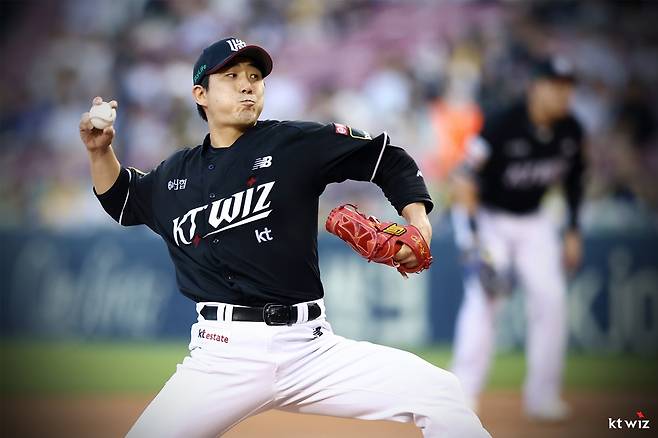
x,y
239,216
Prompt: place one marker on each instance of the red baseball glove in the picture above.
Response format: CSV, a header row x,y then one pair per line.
x,y
378,241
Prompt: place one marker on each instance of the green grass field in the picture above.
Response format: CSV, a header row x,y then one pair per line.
x,y
47,368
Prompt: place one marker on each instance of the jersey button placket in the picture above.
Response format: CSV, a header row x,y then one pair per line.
x,y
211,195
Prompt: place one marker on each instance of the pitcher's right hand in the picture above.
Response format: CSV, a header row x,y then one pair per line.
x,y
96,140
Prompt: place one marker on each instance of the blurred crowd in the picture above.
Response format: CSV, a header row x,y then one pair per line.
x,y
424,71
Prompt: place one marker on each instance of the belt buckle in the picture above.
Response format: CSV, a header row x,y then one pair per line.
x,y
277,314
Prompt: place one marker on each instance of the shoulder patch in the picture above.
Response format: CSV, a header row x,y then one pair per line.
x,y
354,133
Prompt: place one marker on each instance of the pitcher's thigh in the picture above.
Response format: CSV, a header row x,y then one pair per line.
x,y
374,382
199,404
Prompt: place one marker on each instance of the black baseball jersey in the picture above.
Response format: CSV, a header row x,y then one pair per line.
x,y
516,162
241,223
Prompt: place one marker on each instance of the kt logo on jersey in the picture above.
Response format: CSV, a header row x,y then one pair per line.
x,y
241,208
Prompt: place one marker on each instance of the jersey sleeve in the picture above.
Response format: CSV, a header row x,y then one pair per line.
x,y
494,133
129,200
478,151
401,180
573,183
343,153
481,148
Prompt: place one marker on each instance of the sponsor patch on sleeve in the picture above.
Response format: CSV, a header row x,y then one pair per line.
x,y
341,129
354,133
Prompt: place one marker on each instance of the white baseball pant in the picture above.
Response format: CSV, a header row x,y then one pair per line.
x,y
238,369
529,245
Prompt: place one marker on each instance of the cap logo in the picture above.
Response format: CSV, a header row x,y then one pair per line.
x,y
236,44
199,72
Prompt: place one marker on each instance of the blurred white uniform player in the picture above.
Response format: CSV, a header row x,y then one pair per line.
x,y
520,153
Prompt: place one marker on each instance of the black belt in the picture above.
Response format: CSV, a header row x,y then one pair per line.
x,y
271,314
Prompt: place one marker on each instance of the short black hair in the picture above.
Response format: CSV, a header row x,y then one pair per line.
x,y
205,83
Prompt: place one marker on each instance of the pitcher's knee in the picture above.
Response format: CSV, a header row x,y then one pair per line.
x,y
471,428
441,390
444,382
442,410
450,421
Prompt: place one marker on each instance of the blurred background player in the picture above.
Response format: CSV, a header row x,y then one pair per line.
x,y
520,153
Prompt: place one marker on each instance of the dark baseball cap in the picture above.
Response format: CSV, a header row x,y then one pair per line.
x,y
219,54
556,68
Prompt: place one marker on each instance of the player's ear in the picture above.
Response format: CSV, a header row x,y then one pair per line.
x,y
199,95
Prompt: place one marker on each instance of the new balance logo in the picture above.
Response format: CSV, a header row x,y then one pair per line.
x,y
235,44
317,332
262,162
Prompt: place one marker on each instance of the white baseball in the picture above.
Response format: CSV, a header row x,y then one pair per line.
x,y
102,116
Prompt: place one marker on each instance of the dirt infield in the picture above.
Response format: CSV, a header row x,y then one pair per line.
x,y
501,414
